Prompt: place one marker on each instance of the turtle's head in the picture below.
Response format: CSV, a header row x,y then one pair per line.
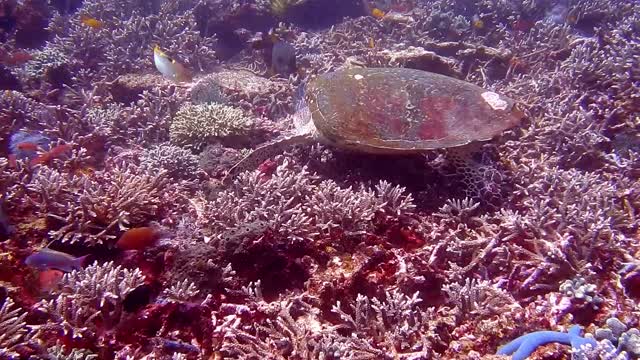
x,y
302,115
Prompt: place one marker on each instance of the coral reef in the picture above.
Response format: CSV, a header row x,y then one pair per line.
x,y
13,328
94,209
196,125
316,253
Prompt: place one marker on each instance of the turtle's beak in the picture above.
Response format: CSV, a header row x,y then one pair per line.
x,y
518,112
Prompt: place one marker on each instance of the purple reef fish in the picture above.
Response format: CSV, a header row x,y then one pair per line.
x,y
46,258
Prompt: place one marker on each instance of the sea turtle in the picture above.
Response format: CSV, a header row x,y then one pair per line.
x,y
391,111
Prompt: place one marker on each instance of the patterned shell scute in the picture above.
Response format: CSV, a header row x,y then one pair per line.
x,y
405,110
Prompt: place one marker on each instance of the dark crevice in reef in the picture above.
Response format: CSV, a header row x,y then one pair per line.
x,y
316,14
27,23
310,15
66,6
229,42
8,81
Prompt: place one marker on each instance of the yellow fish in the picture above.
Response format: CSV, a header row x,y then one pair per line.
x,y
377,13
168,67
91,22
477,22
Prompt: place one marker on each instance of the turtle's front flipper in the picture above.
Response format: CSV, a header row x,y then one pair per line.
x,y
262,153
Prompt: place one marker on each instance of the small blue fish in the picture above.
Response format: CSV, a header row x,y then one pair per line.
x,y
177,346
46,258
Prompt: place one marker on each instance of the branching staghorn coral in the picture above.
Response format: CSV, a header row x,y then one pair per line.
x,y
181,291
477,298
295,328
60,352
18,111
13,329
94,209
346,209
295,204
395,323
91,301
276,201
583,208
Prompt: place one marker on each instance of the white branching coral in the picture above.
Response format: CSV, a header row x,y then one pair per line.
x,y
393,327
13,330
475,298
181,291
60,352
297,205
91,296
193,125
348,209
395,198
50,57
92,209
278,201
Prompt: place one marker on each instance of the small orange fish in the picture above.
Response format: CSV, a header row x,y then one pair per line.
x,y
522,25
60,149
49,279
477,23
138,238
57,151
377,13
91,22
372,43
16,58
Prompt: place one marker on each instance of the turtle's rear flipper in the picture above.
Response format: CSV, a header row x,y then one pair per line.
x,y
262,153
